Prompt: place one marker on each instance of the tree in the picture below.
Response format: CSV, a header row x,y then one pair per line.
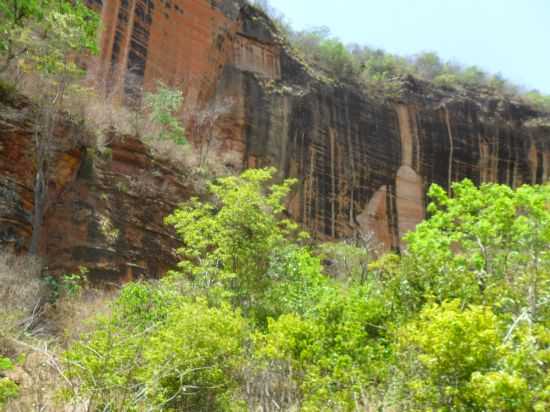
x,y
49,34
163,106
473,76
470,295
309,40
428,65
539,100
227,244
456,359
486,245
335,57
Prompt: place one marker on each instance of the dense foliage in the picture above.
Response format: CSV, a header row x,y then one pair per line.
x,y
43,33
378,70
458,322
161,350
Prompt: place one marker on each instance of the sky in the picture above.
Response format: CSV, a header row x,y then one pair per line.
x,y
511,37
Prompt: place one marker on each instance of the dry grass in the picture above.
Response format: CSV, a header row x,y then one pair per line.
x,y
40,373
74,316
35,332
22,295
20,285
104,117
271,388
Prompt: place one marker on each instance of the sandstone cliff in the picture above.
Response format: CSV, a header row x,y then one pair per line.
x,y
363,163
104,211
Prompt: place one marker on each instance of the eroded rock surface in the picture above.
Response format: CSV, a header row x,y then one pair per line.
x,y
104,211
363,163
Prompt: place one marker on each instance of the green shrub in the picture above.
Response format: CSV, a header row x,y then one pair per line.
x,y
458,359
158,350
164,105
228,244
539,100
8,388
194,358
447,80
458,322
335,349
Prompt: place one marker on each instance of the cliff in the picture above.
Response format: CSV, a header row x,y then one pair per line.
x,y
104,211
363,162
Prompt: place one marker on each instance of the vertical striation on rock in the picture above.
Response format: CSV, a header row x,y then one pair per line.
x,y
363,163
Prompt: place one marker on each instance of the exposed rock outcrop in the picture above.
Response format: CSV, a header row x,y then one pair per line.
x,y
105,210
363,163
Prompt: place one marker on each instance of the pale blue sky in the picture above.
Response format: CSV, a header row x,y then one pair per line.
x,y
507,36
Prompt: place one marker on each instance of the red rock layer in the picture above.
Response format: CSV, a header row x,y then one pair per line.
x,y
363,163
104,211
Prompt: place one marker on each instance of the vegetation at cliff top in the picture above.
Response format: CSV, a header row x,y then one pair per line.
x,y
377,69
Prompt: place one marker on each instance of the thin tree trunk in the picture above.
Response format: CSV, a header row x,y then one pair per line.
x,y
43,136
40,190
533,289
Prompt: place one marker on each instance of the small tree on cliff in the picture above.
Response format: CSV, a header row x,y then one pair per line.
x,y
65,30
163,106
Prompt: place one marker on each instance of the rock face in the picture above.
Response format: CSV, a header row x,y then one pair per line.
x,y
105,210
363,163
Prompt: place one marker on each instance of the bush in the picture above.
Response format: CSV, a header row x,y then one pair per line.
x,y
457,359
346,261
194,358
228,244
22,294
8,388
8,91
537,99
158,350
335,349
325,52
